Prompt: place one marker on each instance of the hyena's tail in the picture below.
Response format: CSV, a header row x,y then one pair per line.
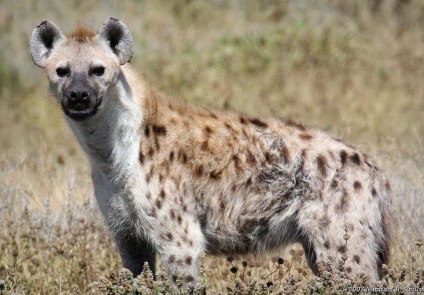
x,y
384,240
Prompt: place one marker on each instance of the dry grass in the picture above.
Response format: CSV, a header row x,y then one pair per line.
x,y
353,68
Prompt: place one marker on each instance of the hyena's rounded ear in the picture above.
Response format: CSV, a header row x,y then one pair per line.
x,y
119,39
44,38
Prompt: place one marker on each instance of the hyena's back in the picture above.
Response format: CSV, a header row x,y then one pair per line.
x,y
259,184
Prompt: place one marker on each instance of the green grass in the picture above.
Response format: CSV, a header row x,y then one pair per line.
x,y
352,68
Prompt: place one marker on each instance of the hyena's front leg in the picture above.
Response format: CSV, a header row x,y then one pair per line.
x,y
135,252
179,251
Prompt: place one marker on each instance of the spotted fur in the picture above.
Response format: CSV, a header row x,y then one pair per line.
x,y
178,180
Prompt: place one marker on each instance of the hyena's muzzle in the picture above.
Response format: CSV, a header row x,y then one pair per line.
x,y
80,100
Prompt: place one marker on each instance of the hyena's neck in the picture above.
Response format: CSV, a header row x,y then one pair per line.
x,y
111,138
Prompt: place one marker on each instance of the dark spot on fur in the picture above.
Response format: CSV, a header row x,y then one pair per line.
x,y
357,258
343,157
169,236
327,244
188,260
184,207
237,162
179,219
251,158
148,196
215,174
171,156
153,212
349,269
172,213
159,130
162,194
341,248
213,116
249,182
322,165
147,131
268,157
208,130
151,152
374,192
368,163
158,204
334,184
295,124
222,205
305,136
205,145
258,123
243,120
355,159
357,185
198,171
171,259
157,144
286,155
141,157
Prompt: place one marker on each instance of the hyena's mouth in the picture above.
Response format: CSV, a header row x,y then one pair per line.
x,y
79,114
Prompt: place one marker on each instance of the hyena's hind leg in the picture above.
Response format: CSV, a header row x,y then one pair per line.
x,y
350,228
357,252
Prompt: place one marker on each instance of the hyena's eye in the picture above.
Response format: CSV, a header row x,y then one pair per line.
x,y
98,71
62,72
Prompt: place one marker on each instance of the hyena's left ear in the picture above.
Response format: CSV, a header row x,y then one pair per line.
x,y
44,38
119,38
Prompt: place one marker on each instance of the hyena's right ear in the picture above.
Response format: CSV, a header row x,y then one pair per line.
x,y
44,38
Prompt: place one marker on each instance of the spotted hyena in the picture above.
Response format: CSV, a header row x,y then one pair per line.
x,y
179,180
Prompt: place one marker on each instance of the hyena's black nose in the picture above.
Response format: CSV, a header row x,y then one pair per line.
x,y
78,100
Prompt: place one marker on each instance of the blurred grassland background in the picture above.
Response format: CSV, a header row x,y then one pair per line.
x,y
352,68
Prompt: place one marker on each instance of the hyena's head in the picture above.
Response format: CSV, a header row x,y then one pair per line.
x,y
83,65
